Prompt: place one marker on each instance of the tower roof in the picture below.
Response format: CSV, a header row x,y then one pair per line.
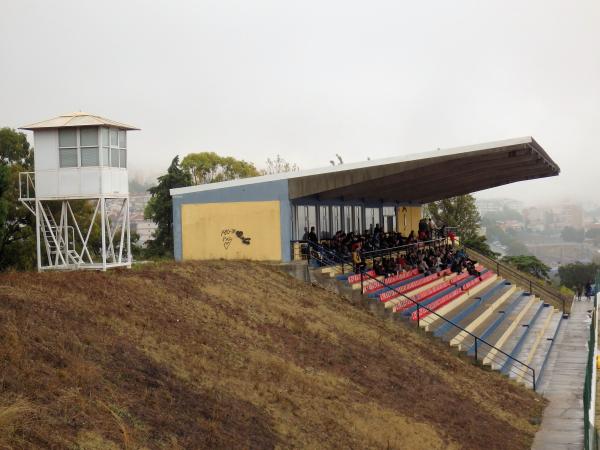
x,y
77,119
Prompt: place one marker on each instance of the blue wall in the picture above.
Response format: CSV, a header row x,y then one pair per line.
x,y
272,190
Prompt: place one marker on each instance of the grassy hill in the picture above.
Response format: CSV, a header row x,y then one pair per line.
x,y
232,355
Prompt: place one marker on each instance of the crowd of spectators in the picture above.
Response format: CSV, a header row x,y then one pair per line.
x,y
427,260
429,252
343,244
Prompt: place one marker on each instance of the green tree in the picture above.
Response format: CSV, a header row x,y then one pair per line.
x,y
17,239
577,274
160,208
208,167
460,212
479,243
516,248
528,264
15,149
570,234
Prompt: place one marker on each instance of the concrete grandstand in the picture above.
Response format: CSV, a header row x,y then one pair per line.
x,y
256,218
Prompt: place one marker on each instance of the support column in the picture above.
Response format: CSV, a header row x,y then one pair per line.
x,y
128,235
37,235
103,226
65,229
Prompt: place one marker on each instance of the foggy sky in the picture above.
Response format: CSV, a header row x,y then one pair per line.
x,y
310,79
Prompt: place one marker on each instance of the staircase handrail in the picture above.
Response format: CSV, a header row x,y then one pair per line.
x,y
549,294
26,186
526,367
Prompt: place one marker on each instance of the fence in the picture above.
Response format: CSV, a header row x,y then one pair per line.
x,y
535,286
589,388
301,249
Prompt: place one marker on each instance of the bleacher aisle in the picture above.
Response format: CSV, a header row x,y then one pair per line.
x,y
562,384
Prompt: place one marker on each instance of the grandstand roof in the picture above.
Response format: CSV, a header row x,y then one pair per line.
x,y
419,178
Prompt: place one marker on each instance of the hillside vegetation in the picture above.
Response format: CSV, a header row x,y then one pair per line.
x,y
232,355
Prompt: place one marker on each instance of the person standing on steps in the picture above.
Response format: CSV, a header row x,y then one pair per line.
x,y
311,236
357,259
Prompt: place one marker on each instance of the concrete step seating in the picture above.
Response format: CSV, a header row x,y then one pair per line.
x,y
506,320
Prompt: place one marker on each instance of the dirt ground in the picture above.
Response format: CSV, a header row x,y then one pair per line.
x,y
233,355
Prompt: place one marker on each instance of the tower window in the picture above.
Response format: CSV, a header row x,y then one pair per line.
x,y
67,147
92,147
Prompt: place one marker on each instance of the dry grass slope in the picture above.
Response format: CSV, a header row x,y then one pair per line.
x,y
232,355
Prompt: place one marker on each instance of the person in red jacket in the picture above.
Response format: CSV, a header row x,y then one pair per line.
x,y
452,237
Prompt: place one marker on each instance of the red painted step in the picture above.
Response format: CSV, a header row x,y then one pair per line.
x,y
388,295
391,280
450,296
356,278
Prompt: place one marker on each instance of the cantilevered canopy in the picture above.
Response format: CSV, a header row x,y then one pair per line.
x,y
418,178
77,119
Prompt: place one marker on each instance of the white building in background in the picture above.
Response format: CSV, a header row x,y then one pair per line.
x,y
144,229
554,217
79,156
493,205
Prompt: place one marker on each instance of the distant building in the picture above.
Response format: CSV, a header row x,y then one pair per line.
x,y
553,218
493,205
506,225
144,228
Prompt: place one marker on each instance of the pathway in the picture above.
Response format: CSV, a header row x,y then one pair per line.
x,y
562,384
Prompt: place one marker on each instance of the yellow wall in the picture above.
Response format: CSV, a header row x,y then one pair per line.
x,y
209,230
408,219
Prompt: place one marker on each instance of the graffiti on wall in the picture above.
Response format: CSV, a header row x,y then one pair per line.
x,y
228,234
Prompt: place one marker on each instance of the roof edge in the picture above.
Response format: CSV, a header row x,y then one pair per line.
x,y
360,165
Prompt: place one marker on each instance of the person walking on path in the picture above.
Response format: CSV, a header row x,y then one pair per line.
x,y
578,293
588,290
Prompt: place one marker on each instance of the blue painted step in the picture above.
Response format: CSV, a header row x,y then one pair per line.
x,y
443,329
543,366
517,349
501,316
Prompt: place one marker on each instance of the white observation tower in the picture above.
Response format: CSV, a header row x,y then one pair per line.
x,y
80,158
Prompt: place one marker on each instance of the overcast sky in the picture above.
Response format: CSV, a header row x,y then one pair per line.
x,y
309,79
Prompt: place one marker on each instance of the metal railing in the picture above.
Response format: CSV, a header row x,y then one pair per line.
x,y
371,255
403,249
26,186
480,346
535,286
589,436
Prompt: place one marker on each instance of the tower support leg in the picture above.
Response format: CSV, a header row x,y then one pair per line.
x,y
103,226
37,236
128,225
